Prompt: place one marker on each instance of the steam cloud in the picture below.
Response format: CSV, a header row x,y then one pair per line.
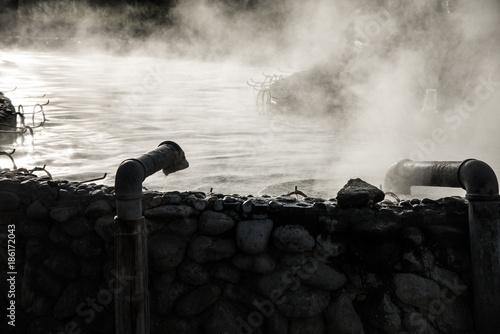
x,y
386,54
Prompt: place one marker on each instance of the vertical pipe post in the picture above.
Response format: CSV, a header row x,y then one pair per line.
x,y
132,296
481,184
484,229
131,249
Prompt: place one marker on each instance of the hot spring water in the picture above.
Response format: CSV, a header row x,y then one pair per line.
x,y
104,109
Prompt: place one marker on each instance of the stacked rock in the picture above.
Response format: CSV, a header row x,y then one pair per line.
x,y
241,264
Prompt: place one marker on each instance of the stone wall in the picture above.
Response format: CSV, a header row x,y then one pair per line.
x,y
357,263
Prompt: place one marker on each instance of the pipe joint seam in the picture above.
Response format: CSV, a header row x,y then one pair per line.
x,y
482,198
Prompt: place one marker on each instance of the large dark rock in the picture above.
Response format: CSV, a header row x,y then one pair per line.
x,y
312,325
225,272
78,227
198,300
33,229
252,236
37,210
381,313
63,264
43,280
166,251
376,256
162,302
193,273
214,223
221,318
357,193
320,275
293,239
261,263
342,318
303,302
415,290
71,298
206,249
175,324
9,201
88,246
45,325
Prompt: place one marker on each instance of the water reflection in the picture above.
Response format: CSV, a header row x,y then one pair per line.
x,y
105,109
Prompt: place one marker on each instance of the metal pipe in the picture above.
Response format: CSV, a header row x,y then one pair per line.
x,y
168,156
131,251
481,185
403,175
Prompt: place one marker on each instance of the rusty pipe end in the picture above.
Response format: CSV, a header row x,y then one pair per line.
x,y
179,162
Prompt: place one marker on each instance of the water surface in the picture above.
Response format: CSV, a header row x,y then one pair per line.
x,y
104,109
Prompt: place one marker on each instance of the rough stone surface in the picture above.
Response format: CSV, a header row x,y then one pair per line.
x,y
303,302
198,300
416,323
37,210
72,296
310,325
59,237
63,214
33,228
162,302
9,201
105,228
261,263
320,275
382,313
63,264
378,256
273,285
204,249
78,227
418,260
452,315
89,246
214,223
277,323
386,267
252,236
449,279
225,272
43,306
183,227
357,193
293,238
170,211
223,318
98,209
193,273
166,251
415,290
342,318
162,281
41,279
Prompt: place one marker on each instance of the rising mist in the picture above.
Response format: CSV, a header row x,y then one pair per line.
x,y
385,58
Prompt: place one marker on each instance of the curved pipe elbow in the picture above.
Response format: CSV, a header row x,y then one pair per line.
x,y
168,156
128,180
478,179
